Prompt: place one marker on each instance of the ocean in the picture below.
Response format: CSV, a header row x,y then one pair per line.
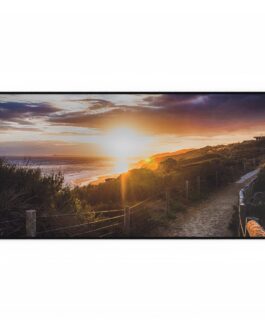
x,y
76,170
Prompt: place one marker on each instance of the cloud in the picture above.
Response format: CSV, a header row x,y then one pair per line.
x,y
9,128
94,104
20,112
181,114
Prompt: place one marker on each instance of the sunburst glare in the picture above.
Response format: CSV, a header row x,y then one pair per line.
x,y
124,144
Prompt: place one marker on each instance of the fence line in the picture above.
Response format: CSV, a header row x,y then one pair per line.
x,y
95,230
106,219
107,211
81,214
63,228
139,203
31,221
135,211
79,225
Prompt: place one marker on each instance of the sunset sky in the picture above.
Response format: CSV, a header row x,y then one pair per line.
x,y
136,124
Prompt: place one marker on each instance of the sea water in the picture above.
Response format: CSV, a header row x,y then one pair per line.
x,y
76,170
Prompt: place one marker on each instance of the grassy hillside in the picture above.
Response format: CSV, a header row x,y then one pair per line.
x,y
216,166
153,161
22,189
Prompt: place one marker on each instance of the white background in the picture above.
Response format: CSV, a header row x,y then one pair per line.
x,y
144,46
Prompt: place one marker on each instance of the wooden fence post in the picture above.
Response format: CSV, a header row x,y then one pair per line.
x,y
127,221
31,223
187,189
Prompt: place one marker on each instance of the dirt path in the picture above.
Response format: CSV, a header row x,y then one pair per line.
x,y
211,217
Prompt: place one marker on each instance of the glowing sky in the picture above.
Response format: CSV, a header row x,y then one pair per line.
x,y
86,124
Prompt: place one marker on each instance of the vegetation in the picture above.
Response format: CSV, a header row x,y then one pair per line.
x,y
24,188
206,169
233,225
216,166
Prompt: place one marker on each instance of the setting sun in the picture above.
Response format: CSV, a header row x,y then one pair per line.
x,y
124,144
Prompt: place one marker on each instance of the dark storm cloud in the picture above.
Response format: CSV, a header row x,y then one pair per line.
x,y
167,100
20,112
177,113
158,113
205,103
212,112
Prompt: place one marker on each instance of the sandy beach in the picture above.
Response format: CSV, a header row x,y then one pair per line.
x,y
93,181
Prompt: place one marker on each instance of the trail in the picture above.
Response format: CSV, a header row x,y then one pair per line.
x,y
211,217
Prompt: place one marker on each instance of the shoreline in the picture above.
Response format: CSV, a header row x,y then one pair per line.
x,y
80,182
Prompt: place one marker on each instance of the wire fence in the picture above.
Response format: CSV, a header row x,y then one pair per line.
x,y
53,230
94,225
107,227
101,223
95,212
118,223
